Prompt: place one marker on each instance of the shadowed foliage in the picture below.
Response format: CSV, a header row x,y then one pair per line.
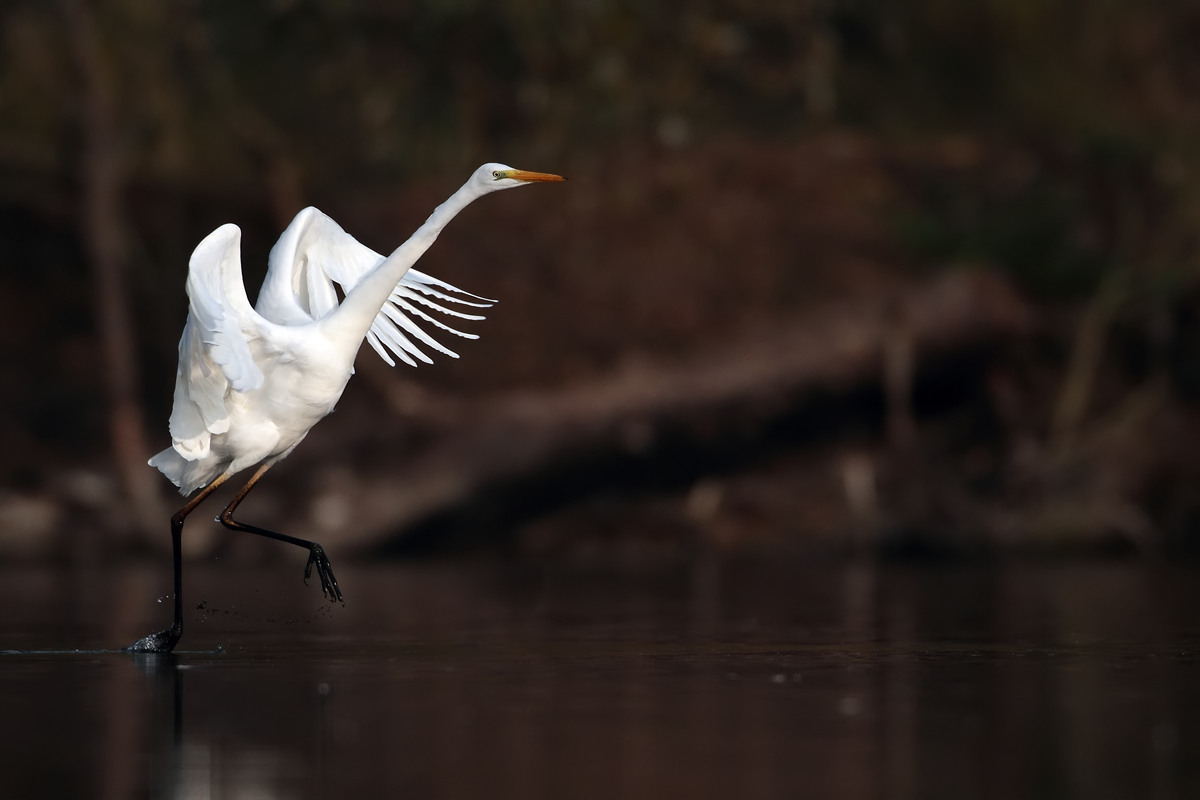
x,y
735,167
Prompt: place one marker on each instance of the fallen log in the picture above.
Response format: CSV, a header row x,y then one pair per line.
x,y
518,440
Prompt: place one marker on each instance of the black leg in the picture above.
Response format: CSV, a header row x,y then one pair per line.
x,y
165,641
316,553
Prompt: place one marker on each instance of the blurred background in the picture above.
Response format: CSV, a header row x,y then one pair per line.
x,y
837,276
845,303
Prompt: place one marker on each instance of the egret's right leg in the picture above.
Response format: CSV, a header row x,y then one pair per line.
x,y
164,641
316,553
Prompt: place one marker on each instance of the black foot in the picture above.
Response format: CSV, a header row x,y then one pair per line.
x,y
329,584
161,642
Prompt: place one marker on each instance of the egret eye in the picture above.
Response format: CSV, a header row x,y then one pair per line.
x,y
497,174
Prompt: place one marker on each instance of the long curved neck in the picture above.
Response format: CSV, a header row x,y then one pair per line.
x,y
349,322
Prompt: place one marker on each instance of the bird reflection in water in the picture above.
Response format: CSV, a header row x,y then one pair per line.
x,y
183,764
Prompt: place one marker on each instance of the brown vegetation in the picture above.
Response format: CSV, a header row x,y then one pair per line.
x,y
752,189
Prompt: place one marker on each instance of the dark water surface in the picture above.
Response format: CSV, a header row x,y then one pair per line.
x,y
720,680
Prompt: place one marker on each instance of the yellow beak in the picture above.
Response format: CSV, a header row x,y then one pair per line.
x,y
525,175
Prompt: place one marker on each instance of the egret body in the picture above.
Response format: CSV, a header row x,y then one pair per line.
x,y
252,382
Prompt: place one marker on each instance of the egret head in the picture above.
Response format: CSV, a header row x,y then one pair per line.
x,y
493,177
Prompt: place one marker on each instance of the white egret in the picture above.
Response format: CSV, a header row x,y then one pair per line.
x,y
252,381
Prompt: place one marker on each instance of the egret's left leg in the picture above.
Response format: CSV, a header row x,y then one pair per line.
x,y
316,553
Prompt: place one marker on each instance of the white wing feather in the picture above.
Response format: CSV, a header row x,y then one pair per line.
x,y
214,351
314,256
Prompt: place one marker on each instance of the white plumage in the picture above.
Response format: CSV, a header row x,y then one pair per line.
x,y
252,382
228,348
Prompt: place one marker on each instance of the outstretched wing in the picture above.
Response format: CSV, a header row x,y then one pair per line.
x,y
314,257
214,351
